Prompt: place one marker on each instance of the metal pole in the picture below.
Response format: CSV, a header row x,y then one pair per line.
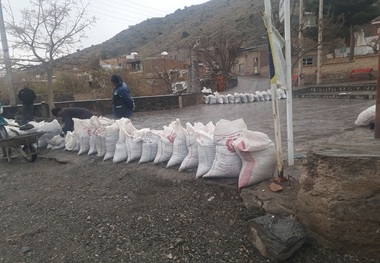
x,y
377,112
300,38
320,36
7,59
289,94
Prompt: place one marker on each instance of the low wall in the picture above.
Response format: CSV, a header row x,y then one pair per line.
x,y
104,106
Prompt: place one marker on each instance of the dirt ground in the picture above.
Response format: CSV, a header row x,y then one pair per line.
x,y
69,208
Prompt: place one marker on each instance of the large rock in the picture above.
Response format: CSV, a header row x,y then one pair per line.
x,y
339,201
277,238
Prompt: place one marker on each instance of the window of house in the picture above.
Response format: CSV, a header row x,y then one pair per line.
x,y
308,61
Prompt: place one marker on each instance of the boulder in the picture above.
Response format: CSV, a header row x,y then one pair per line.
x,y
277,238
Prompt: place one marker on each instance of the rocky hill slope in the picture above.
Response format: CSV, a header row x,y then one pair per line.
x,y
181,29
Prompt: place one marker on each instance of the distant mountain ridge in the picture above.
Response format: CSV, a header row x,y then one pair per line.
x,y
181,29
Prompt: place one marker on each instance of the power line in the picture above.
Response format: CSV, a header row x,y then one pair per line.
x,y
155,9
127,8
116,17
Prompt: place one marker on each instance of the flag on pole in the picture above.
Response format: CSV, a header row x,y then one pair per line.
x,y
275,46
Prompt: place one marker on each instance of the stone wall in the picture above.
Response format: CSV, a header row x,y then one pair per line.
x,y
104,106
338,201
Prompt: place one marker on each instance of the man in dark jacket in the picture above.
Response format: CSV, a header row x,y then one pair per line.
x,y
122,102
67,115
27,97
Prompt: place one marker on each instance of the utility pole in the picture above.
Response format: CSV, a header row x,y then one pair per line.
x,y
377,111
320,35
300,38
7,59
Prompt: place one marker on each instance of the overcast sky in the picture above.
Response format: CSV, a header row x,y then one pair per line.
x,y
116,15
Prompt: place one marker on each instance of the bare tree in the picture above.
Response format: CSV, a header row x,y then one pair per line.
x,y
331,37
49,30
219,52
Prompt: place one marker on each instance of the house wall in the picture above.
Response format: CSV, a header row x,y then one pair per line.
x,y
251,62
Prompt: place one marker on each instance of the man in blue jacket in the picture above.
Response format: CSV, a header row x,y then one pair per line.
x,y
122,102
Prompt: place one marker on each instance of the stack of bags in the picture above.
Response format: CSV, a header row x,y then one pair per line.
x,y
225,150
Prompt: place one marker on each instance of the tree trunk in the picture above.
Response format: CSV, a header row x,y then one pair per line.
x,y
49,86
352,43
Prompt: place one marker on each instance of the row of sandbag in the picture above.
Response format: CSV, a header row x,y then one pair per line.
x,y
227,149
217,98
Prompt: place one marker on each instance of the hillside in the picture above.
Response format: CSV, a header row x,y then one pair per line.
x,y
181,29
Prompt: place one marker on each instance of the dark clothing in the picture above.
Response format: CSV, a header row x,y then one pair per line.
x,y
68,114
27,113
27,97
122,102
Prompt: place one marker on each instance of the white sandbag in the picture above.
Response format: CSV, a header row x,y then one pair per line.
x,y
250,97
258,155
366,117
231,98
100,141
121,153
57,142
191,159
165,144
206,149
225,99
212,99
51,129
70,141
265,95
206,99
91,142
112,136
259,96
134,142
206,153
243,98
179,145
81,128
282,93
269,94
256,98
226,163
278,92
94,141
237,98
218,97
149,146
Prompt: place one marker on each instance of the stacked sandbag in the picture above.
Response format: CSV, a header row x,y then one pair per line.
x,y
226,163
225,150
217,98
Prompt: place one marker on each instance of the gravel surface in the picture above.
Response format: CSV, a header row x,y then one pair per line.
x,y
69,208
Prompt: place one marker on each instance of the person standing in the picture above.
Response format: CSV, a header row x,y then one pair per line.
x,y
122,102
67,115
27,97
3,131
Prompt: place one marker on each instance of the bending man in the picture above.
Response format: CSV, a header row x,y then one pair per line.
x,y
67,115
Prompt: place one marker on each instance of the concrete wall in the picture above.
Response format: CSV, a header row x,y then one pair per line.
x,y
104,106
